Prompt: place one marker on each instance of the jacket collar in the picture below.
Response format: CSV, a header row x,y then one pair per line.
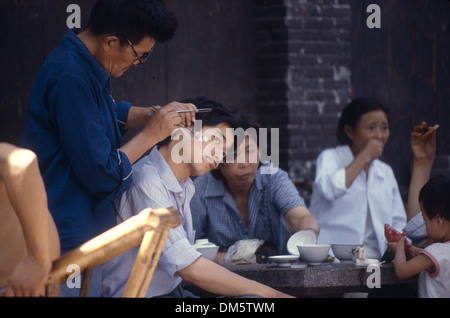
x,y
100,74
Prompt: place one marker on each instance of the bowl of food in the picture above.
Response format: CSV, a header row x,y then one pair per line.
x,y
344,251
209,250
314,253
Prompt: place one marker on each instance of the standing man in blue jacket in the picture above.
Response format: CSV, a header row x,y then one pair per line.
x,y
74,125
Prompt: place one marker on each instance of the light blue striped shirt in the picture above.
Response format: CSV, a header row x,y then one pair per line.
x,y
155,186
217,218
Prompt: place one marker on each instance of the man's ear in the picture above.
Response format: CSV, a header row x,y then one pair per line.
x,y
110,42
349,132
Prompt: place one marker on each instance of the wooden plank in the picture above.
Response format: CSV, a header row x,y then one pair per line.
x,y
21,54
400,86
212,52
443,75
425,62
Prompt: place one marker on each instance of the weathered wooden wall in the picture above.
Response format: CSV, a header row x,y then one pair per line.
x,y
406,64
211,54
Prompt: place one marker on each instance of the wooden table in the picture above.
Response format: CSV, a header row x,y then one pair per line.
x,y
329,280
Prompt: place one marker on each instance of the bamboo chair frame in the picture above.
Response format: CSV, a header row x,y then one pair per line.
x,y
149,228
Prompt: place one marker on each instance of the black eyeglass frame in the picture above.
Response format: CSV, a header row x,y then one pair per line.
x,y
142,59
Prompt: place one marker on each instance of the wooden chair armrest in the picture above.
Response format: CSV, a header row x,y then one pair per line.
x,y
111,243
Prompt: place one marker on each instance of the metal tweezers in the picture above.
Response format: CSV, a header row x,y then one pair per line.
x,y
202,110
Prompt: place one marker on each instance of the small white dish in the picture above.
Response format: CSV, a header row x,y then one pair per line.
x,y
284,260
300,238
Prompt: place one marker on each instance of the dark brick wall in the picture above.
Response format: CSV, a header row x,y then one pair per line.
x,y
271,64
303,75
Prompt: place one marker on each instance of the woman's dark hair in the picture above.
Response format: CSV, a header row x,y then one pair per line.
x,y
353,112
244,120
219,114
435,197
133,20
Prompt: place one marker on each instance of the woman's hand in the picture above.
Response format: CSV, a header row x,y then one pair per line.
x,y
372,150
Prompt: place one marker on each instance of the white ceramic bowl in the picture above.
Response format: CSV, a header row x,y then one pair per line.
x,y
208,251
300,238
314,253
344,251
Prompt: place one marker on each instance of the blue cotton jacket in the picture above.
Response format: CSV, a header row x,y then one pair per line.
x,y
75,128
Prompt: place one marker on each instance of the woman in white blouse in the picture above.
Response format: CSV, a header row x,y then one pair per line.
x,y
355,193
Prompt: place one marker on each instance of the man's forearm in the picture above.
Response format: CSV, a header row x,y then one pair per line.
x,y
219,280
137,116
138,146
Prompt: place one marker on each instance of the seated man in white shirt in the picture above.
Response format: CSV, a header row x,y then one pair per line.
x,y
163,180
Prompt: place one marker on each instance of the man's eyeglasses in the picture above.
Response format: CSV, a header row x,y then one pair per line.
x,y
142,59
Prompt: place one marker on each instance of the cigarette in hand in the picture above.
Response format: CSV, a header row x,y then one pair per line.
x,y
431,130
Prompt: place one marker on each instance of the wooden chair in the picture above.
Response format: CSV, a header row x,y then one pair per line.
x,y
149,228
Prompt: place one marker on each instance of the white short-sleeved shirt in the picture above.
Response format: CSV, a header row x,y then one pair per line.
x,y
155,186
343,213
436,284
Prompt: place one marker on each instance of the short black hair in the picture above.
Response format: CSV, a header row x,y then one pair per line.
x,y
435,197
219,114
133,20
353,112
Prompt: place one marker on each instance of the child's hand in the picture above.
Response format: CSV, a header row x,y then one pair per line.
x,y
393,235
393,246
416,250
407,268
